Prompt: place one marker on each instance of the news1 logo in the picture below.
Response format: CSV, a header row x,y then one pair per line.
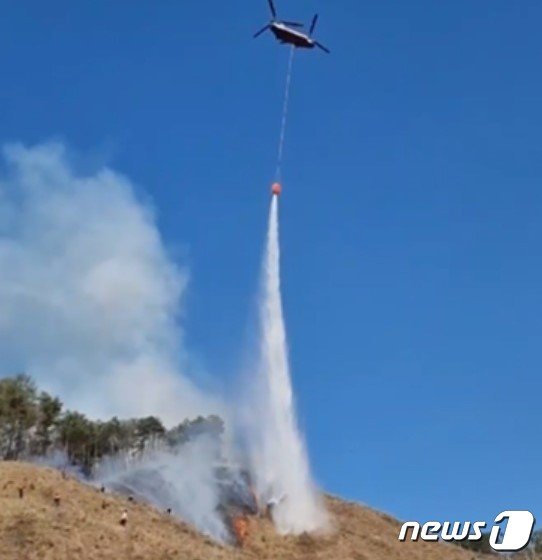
x,y
511,532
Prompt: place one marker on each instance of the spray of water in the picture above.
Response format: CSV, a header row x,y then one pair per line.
x,y
280,463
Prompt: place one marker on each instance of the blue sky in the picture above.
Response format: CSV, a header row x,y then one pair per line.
x,y
410,219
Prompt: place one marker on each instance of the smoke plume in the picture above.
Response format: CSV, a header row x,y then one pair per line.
x,y
88,295
89,305
182,480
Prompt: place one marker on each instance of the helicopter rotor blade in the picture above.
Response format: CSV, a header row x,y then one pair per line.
x,y
313,24
292,23
320,46
272,8
261,31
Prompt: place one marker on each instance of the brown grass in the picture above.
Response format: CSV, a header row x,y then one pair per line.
x,y
79,528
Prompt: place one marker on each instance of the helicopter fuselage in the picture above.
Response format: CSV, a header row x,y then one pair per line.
x,y
290,36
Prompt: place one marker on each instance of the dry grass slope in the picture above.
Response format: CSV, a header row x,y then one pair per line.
x,y
79,528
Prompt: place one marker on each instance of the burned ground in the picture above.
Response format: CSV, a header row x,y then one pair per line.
x,y
84,523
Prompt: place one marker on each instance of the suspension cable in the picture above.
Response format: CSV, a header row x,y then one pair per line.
x,y
278,172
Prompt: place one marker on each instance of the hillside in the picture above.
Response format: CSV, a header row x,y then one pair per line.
x,y
78,527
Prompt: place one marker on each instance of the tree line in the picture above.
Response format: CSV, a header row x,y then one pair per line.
x,y
34,424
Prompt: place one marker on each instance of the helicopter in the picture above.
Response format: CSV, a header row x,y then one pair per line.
x,y
286,32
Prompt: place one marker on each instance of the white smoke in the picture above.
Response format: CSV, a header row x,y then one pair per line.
x,y
280,462
191,480
89,306
88,295
183,480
